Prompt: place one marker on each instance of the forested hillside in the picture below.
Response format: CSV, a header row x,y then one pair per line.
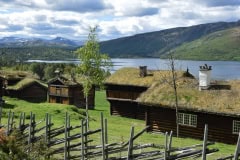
x,y
21,54
156,44
222,45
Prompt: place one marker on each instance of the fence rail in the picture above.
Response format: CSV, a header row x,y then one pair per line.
x,y
61,140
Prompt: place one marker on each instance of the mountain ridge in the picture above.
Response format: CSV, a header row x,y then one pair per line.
x,y
37,42
157,43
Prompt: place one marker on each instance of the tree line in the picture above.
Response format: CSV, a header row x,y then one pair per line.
x,y
11,56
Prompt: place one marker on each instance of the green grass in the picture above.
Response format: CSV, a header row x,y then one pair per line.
x,y
118,127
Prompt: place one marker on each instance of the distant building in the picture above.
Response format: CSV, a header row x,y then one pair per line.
x,y
151,98
65,91
21,86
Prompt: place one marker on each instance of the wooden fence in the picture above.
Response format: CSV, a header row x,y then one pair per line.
x,y
62,141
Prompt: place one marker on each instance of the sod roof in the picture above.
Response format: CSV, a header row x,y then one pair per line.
x,y
130,76
25,83
14,74
220,101
224,98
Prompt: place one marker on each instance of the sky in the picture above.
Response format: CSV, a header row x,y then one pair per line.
x,y
115,18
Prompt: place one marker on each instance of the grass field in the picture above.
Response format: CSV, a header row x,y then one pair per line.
x,y
118,127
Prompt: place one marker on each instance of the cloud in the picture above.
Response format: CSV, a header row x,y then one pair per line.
x,y
41,26
115,18
219,3
136,8
13,28
40,18
79,5
142,12
66,22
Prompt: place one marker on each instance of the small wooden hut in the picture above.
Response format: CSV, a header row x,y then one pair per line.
x,y
21,85
65,91
218,106
28,89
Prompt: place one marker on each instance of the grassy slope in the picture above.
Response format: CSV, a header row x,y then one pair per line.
x,y
222,45
118,127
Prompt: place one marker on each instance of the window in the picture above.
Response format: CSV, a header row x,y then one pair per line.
x,y
236,127
187,119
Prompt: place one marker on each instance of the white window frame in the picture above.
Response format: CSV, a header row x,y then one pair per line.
x,y
187,119
236,127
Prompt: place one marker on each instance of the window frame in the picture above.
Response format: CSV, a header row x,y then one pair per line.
x,y
187,119
234,127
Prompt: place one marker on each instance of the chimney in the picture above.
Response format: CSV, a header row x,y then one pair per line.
x,y
142,71
57,72
204,77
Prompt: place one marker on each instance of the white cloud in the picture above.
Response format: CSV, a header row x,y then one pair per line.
x,y
72,18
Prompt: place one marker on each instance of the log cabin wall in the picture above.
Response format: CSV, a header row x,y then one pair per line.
x,y
72,95
80,101
33,93
122,101
220,127
127,109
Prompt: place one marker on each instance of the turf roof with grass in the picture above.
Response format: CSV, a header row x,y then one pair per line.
x,y
160,91
130,76
25,83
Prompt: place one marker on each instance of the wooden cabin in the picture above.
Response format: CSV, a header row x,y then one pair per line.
x,y
28,89
217,106
122,93
65,91
22,86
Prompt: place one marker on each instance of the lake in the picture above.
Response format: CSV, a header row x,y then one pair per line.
x,y
221,70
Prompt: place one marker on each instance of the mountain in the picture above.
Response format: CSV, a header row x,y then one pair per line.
x,y
220,45
159,43
38,42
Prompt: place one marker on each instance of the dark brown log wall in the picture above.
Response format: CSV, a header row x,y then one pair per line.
x,y
34,92
219,127
124,92
127,109
122,101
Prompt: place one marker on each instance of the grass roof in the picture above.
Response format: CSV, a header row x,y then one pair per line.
x,y
190,98
14,74
130,76
160,91
25,83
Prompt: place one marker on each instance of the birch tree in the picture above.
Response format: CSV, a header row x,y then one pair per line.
x,y
94,66
174,85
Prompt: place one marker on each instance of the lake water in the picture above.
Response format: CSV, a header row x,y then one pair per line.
x,y
221,70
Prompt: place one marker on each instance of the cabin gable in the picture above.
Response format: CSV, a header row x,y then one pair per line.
x,y
64,91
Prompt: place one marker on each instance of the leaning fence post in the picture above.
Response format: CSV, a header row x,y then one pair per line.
x,y
205,142
8,123
66,136
1,113
166,146
20,121
46,129
82,132
30,129
86,128
106,137
170,143
237,148
130,145
102,135
12,118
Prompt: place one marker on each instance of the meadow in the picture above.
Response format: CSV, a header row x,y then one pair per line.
x,y
118,127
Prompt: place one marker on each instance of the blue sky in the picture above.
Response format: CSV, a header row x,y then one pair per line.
x,y
115,18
